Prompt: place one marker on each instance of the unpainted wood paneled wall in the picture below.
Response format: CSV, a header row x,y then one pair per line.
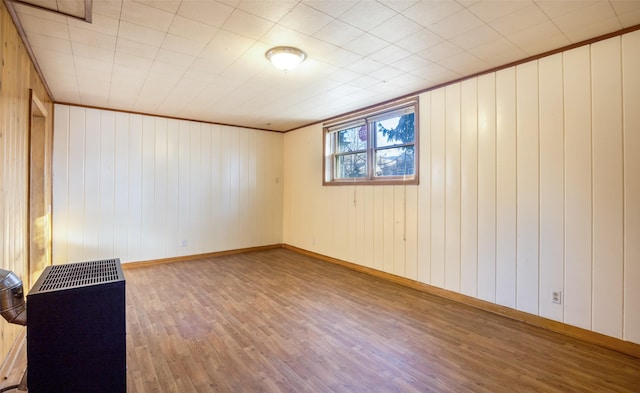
x,y
529,182
17,76
141,188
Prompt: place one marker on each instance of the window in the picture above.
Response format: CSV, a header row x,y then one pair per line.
x,y
378,146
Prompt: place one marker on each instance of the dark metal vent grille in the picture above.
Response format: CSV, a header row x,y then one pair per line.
x,y
81,274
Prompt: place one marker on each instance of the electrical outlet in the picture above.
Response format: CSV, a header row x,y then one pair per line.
x,y
556,297
183,243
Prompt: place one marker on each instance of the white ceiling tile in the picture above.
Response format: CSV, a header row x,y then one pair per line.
x,y
22,10
367,14
58,61
338,33
130,67
166,5
426,13
464,63
630,18
395,29
315,48
365,44
456,24
34,24
176,58
271,10
140,34
208,12
399,5
411,63
409,81
494,9
519,20
92,38
332,8
191,29
386,73
577,19
365,66
441,51
599,27
419,41
539,39
85,64
389,55
93,52
226,45
110,8
498,52
477,36
44,41
136,48
182,45
144,15
99,23
280,35
305,19
555,8
247,25
435,73
341,57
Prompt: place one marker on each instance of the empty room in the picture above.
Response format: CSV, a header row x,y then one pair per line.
x,y
319,196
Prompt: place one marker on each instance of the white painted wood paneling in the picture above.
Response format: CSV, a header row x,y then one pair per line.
x,y
469,188
134,227
452,188
137,186
388,210
606,103
438,188
631,137
107,180
551,185
578,202
527,187
487,187
91,194
424,191
60,193
506,187
399,229
121,186
411,232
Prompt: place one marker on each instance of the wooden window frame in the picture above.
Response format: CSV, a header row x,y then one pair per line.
x,y
366,117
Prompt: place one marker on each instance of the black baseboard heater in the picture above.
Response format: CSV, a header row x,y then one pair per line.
x,y
76,329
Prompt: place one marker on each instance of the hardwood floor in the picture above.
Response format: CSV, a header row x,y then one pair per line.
x,y
278,321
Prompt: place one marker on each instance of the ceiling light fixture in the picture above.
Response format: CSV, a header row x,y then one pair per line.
x,y
285,57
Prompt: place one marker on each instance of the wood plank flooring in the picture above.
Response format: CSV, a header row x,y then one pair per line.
x,y
278,321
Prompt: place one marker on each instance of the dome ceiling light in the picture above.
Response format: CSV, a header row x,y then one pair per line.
x,y
285,57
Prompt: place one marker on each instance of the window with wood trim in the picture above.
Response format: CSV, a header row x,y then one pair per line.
x,y
373,147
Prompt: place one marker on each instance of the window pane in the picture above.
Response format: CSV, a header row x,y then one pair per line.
x,y
352,139
351,165
395,130
396,161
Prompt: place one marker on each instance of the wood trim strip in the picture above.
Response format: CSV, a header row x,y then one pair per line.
x,y
154,262
626,347
39,7
43,112
477,74
27,45
165,117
